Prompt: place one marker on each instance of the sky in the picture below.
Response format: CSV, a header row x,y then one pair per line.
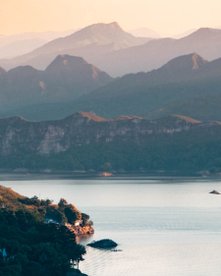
x,y
167,17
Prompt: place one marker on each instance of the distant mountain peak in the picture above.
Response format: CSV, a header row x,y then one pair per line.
x,y
207,30
68,58
186,63
114,26
26,70
65,61
77,69
104,34
204,32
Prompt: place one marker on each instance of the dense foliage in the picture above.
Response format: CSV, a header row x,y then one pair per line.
x,y
187,152
32,246
35,248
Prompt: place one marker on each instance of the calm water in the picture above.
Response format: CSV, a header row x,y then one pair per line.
x,y
165,228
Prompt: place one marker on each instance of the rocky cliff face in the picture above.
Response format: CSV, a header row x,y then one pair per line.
x,y
19,136
87,142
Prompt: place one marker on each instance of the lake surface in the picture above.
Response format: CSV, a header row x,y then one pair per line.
x,y
164,227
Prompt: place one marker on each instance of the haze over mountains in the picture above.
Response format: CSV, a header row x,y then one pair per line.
x,y
153,54
117,52
187,85
92,43
145,115
19,44
65,79
145,32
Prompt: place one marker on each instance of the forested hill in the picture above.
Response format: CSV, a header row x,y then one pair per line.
x,y
89,143
34,238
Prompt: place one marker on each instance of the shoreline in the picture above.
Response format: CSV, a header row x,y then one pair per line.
x,y
19,176
80,231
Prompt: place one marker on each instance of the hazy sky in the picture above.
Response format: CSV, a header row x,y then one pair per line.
x,y
164,16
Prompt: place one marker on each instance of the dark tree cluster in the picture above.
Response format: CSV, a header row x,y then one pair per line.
x,y
34,240
33,247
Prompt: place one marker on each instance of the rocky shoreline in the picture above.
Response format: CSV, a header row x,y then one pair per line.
x,y
80,231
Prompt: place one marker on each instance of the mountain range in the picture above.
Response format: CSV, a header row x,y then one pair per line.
x,y
187,85
65,79
166,120
153,54
92,43
117,52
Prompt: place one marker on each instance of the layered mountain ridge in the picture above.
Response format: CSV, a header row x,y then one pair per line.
x,y
153,54
91,43
117,52
65,79
187,84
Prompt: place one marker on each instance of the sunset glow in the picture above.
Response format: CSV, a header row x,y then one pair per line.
x,y
166,17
